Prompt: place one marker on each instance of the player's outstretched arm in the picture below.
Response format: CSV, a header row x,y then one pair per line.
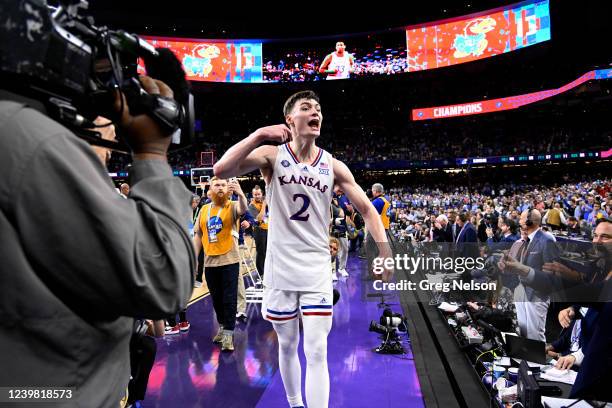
x,y
323,69
245,156
344,178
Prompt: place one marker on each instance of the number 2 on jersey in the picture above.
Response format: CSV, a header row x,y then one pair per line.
x,y
298,215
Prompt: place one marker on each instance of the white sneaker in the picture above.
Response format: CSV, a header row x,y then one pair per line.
x,y
197,284
343,273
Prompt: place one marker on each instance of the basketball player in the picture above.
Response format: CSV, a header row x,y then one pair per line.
x,y
299,181
339,64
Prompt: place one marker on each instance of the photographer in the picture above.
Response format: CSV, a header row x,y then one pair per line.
x,y
78,269
110,257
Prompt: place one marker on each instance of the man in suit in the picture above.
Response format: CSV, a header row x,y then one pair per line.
x,y
442,229
467,239
539,248
507,236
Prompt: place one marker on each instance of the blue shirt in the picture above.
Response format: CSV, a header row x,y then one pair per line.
x,y
379,204
343,201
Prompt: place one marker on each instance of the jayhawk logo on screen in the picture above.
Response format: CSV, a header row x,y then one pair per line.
x,y
200,62
473,41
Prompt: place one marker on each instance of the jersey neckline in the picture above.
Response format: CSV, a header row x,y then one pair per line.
x,y
295,159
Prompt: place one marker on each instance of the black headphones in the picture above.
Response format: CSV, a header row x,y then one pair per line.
x,y
529,222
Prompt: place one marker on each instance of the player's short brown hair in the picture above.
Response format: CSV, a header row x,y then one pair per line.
x,y
292,100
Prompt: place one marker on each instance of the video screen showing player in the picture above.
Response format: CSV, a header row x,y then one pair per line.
x,y
339,64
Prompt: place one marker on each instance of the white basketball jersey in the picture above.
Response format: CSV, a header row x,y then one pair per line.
x,y
299,197
342,64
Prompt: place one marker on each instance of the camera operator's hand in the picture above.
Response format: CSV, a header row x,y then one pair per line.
x,y
566,316
144,136
274,133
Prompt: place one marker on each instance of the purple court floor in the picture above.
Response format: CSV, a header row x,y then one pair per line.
x,y
192,372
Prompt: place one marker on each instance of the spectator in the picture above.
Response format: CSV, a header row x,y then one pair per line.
x,y
355,228
573,227
339,230
124,190
535,251
218,236
259,210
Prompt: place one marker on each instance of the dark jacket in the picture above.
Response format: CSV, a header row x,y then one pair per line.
x,y
467,242
443,234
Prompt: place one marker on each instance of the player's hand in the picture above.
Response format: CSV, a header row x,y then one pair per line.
x,y
566,316
275,133
245,225
565,362
387,272
385,253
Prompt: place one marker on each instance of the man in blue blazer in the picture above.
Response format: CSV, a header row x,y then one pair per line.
x,y
467,239
539,248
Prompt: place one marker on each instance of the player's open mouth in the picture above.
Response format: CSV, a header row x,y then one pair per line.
x,y
314,123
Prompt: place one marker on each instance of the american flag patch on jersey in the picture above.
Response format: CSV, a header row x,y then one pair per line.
x,y
323,165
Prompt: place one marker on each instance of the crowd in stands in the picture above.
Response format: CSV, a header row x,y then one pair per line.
x,y
415,208
374,145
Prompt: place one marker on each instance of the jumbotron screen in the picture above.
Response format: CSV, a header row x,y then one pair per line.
x,y
427,46
477,36
216,60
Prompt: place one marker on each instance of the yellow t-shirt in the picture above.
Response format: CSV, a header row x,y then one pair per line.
x,y
384,215
225,223
263,224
